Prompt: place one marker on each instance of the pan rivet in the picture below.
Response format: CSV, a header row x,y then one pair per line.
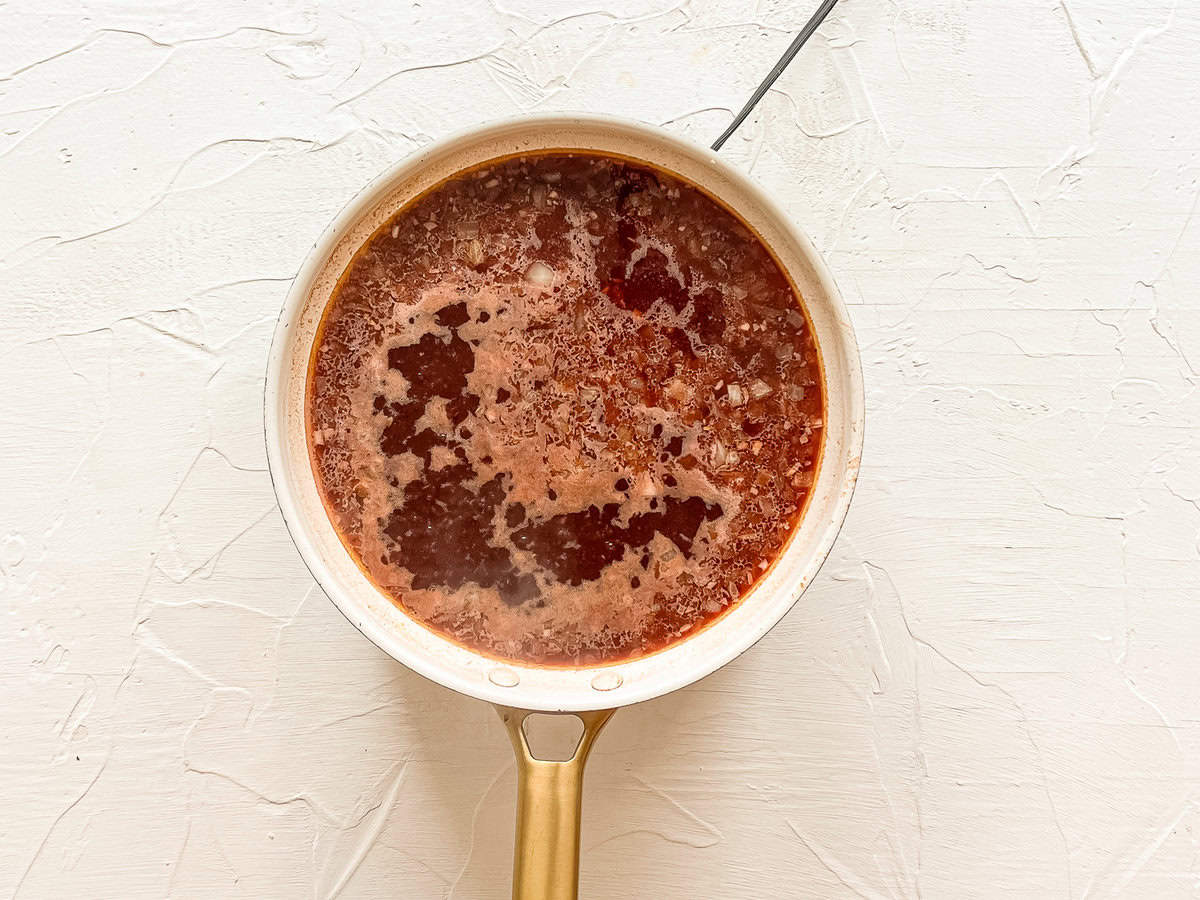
x,y
606,681
504,677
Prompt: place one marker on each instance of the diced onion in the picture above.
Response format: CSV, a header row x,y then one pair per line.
x,y
759,389
540,274
473,252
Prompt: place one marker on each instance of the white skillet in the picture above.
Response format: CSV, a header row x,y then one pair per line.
x,y
546,865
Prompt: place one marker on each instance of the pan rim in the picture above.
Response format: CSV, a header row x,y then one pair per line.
x,y
535,687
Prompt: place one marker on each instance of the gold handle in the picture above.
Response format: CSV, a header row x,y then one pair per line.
x,y
549,797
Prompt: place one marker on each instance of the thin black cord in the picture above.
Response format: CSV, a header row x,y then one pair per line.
x,y
761,91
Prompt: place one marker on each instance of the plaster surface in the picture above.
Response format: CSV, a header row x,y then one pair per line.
x,y
991,690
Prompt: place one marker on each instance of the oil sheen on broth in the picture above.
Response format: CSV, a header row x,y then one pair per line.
x,y
564,409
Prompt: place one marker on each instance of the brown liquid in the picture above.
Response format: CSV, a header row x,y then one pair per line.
x,y
565,409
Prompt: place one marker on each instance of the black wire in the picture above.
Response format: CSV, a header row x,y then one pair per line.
x,y
790,53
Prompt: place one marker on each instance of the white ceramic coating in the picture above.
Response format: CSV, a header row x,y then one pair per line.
x,y
427,652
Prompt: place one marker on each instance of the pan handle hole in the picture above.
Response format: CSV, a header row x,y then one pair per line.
x,y
552,737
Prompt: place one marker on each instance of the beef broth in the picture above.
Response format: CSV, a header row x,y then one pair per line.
x,y
564,409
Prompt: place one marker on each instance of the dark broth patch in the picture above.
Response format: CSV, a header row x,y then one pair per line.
x,y
565,409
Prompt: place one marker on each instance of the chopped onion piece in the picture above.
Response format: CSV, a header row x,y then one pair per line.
x,y
736,397
473,252
759,389
540,274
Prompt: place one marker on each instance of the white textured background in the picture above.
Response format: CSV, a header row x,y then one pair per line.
x,y
992,689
